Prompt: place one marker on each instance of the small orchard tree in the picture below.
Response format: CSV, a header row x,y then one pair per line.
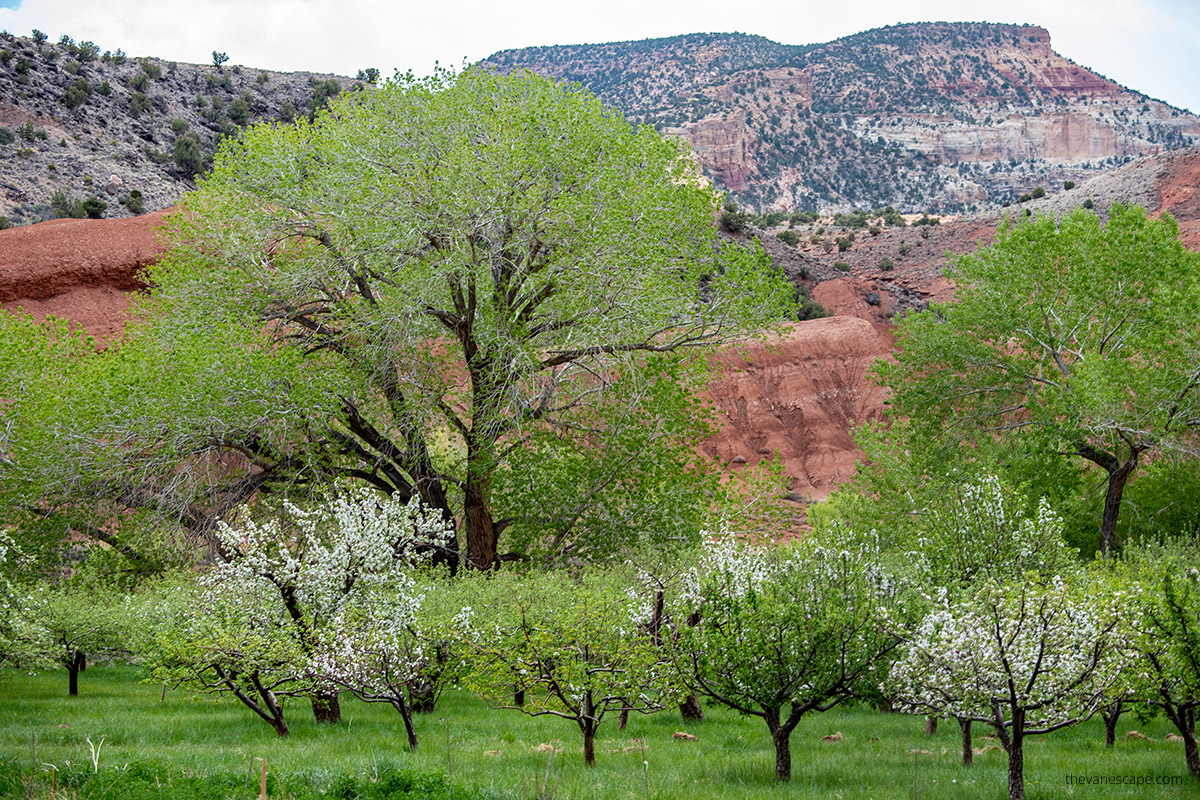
x,y
80,620
1166,634
217,640
570,648
383,647
1025,657
285,580
785,632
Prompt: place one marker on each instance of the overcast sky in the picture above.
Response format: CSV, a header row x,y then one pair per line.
x,y
1152,46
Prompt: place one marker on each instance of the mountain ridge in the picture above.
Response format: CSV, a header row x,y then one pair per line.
x,y
947,116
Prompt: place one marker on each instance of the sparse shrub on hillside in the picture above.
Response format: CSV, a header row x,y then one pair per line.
x,y
38,37
218,59
65,207
77,93
189,155
1087,203
788,237
6,56
239,111
903,249
287,111
139,81
370,75
262,78
886,264
178,126
104,88
5,223
844,243
322,93
71,67
927,220
28,132
6,135
93,207
138,103
841,266
133,201
150,69
116,57
23,67
1068,185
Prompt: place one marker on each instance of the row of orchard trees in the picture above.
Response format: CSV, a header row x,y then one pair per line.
x,y
993,620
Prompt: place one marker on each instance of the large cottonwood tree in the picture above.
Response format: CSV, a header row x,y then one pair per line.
x,y
422,289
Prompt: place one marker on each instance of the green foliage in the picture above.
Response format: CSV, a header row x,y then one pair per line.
x,y
841,266
1066,337
138,103
6,135
188,154
134,202
844,243
575,647
77,93
93,207
539,346
66,207
1068,185
219,59
239,111
370,75
788,631
150,69
886,264
322,92
38,37
104,89
788,237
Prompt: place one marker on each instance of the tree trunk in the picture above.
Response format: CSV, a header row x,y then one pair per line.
x,y
1188,733
623,719
783,754
326,708
1117,478
480,527
968,753
1016,768
519,698
691,710
931,726
1110,714
75,665
406,715
422,696
589,745
588,723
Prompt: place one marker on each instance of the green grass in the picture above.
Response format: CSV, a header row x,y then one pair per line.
x,y
210,745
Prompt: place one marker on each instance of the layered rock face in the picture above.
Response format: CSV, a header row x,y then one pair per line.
x,y
796,397
949,116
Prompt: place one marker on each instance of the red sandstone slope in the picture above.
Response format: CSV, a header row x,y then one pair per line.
x,y
799,395
81,270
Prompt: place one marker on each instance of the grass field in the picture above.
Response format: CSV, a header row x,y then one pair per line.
x,y
496,754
